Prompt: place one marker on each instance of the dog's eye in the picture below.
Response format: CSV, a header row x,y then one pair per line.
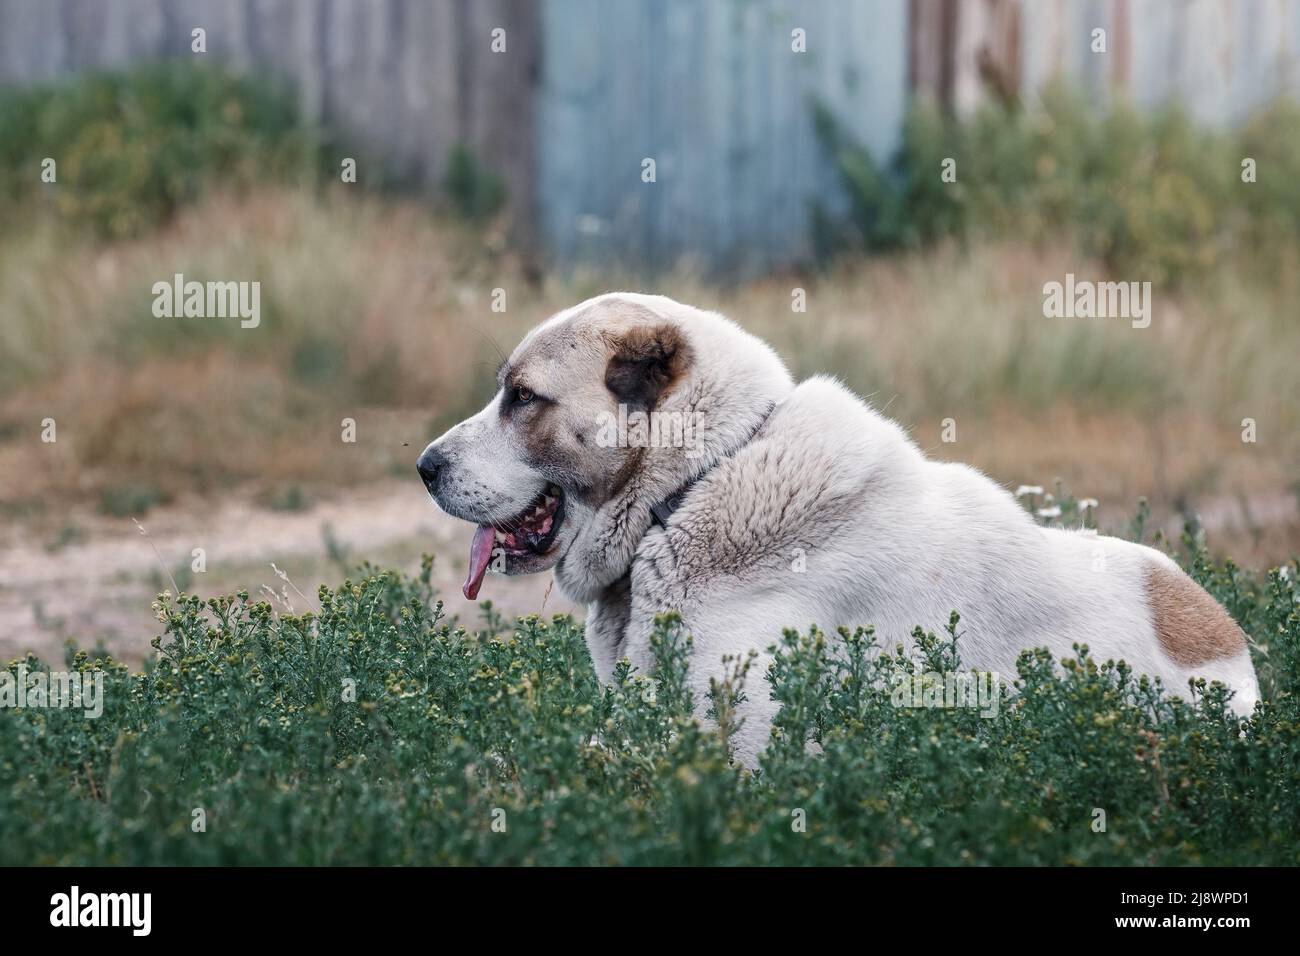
x,y
522,395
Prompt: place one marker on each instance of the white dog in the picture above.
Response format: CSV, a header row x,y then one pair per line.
x,y
659,457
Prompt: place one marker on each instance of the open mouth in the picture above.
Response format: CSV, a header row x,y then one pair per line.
x,y
528,534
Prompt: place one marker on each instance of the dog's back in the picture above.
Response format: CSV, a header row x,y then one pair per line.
x,y
832,516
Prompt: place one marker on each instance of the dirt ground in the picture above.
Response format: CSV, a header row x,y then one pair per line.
x,y
95,586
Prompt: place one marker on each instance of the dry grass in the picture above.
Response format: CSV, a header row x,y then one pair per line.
x,y
378,312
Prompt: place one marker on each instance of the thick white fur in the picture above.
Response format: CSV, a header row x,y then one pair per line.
x,y
884,537
888,538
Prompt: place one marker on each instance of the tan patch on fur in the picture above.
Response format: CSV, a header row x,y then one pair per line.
x,y
1193,628
645,361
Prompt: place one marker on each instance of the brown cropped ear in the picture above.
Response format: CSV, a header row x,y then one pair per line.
x,y
644,362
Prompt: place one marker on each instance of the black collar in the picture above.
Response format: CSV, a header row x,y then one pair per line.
x,y
663,510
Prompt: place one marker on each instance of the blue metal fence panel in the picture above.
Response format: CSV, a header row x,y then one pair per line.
x,y
716,95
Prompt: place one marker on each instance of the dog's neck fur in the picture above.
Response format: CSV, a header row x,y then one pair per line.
x,y
730,399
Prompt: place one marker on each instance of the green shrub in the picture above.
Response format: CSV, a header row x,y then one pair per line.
x,y
501,747
131,147
1150,196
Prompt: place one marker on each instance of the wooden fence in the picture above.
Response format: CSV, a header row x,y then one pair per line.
x,y
717,93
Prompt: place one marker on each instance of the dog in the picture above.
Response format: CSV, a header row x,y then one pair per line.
x,y
750,504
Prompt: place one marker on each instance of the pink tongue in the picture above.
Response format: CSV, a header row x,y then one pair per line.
x,y
480,553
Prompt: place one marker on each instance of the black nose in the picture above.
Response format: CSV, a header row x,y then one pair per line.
x,y
428,466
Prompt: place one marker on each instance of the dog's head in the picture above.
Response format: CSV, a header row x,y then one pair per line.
x,y
601,411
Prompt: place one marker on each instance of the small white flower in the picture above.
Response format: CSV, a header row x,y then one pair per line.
x,y
1029,490
1087,504
1052,512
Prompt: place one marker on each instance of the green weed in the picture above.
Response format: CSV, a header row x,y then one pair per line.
x,y
376,731
132,147
1149,195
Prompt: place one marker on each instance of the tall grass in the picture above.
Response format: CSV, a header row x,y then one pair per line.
x,y
372,304
1149,196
